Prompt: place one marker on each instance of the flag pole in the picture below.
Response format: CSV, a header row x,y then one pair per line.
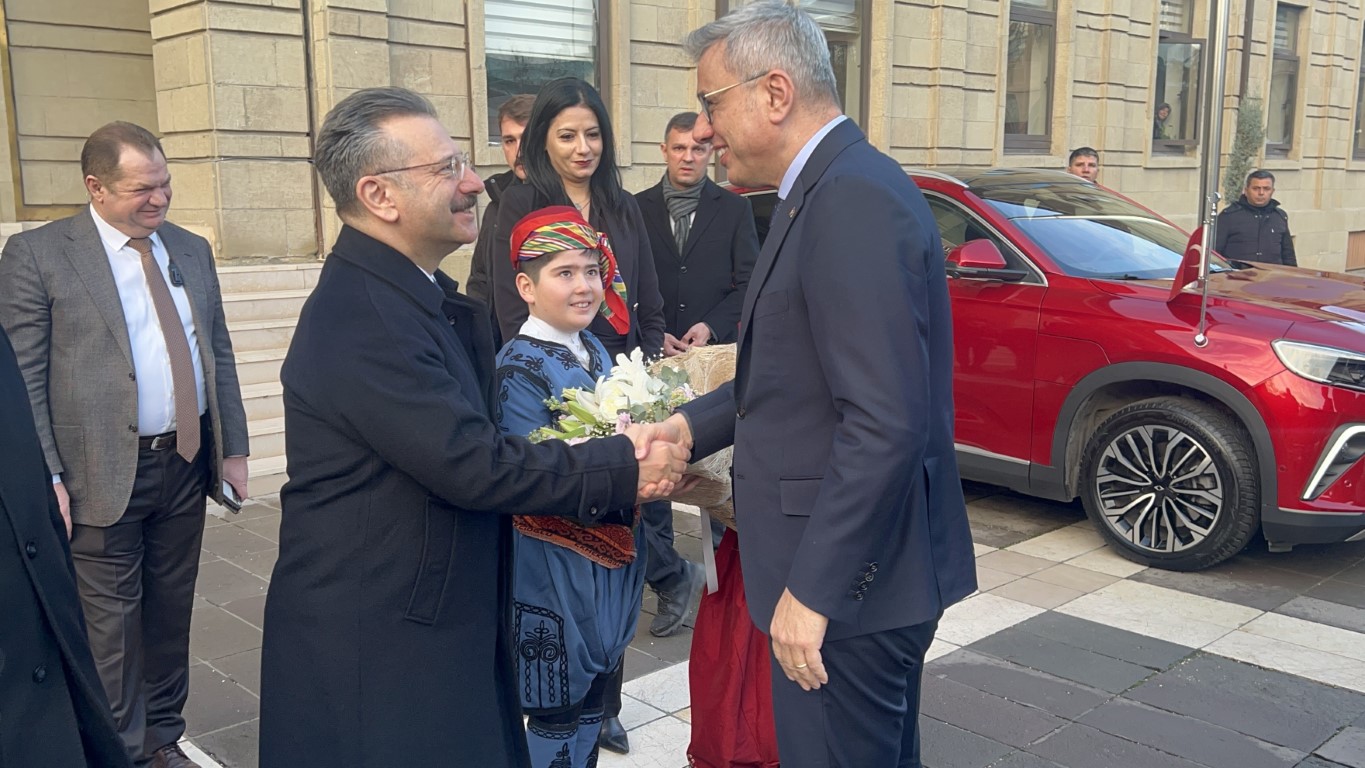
x,y
1211,142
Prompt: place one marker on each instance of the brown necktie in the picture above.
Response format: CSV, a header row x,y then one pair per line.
x,y
178,349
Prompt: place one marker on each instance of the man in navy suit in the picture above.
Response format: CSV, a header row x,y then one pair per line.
x,y
852,526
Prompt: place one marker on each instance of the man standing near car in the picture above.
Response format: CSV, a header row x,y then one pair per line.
x,y
852,526
1085,163
1256,228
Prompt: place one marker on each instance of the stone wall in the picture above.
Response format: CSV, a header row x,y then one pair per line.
x,y
237,87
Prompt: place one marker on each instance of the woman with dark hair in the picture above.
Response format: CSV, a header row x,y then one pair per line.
x,y
569,154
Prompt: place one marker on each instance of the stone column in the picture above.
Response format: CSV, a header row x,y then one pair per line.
x,y
232,101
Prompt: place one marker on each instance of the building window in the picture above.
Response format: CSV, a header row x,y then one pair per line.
x,y
1175,110
1358,146
1029,75
1284,81
528,43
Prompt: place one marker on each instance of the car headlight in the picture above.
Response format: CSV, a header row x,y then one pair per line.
x,y
1328,365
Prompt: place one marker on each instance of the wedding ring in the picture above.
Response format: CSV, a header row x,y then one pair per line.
x,y
800,666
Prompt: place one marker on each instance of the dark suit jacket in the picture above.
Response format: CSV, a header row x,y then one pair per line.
x,y
387,616
629,242
59,304
841,412
707,280
53,712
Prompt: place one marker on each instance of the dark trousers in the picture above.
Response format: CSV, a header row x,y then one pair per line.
x,y
136,582
664,567
867,715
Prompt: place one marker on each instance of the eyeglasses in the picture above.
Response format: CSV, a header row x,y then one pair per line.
x,y
455,166
705,98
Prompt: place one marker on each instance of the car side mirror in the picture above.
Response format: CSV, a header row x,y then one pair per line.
x,y
981,260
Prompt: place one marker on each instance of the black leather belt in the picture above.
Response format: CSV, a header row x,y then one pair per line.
x,y
161,442
166,440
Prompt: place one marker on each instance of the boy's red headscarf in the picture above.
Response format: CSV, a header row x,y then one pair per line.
x,y
562,228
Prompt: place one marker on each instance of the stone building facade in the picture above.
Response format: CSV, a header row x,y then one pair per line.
x,y
236,88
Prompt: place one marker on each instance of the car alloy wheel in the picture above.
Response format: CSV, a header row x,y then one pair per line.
x,y
1159,488
1171,482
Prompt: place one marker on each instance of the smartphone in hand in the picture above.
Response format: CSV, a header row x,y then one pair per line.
x,y
230,498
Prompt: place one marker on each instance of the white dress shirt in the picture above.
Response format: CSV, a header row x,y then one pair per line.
x,y
539,329
799,162
155,391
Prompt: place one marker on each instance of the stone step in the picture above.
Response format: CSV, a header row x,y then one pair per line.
x,y
259,366
263,401
265,475
267,437
259,335
264,305
269,277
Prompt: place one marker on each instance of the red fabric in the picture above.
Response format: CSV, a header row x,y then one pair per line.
x,y
732,695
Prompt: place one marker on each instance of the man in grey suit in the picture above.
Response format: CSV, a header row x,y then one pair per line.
x,y
117,320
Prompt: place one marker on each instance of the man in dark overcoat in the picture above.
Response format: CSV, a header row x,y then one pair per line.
x,y
386,624
53,712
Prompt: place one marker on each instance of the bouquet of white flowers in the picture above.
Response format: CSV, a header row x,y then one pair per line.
x,y
629,395
635,393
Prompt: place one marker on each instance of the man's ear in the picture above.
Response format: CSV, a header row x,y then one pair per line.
x,y
95,188
375,196
663,150
526,287
779,95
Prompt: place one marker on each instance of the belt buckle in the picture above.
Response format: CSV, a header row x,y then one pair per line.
x,y
162,442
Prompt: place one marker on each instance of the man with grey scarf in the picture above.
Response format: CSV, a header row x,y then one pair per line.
x,y
703,240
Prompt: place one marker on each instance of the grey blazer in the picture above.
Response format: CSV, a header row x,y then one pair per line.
x,y
61,309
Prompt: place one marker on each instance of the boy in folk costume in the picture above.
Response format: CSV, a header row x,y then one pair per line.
x,y
576,588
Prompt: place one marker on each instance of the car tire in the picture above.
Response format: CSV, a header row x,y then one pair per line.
x,y
1171,483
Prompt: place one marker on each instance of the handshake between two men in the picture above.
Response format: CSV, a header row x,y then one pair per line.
x,y
663,450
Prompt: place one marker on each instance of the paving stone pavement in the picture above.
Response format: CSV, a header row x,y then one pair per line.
x,y
1068,657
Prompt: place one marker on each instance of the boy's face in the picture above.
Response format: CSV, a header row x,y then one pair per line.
x,y
567,292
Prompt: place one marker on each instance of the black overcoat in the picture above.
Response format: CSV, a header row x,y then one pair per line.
x,y
706,280
386,620
53,712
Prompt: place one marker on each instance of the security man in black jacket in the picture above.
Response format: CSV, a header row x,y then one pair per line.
x,y
1256,228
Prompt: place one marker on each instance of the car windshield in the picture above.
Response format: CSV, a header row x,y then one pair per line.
x,y
1090,232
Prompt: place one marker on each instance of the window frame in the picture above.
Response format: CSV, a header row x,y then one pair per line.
x,y
610,68
1180,146
1032,143
1358,138
1293,60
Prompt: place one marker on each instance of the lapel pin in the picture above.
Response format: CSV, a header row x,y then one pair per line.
x,y
791,213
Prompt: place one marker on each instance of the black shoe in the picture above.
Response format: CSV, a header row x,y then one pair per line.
x,y
612,737
675,603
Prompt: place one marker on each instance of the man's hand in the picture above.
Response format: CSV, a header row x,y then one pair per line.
x,y
674,429
234,471
660,470
64,504
798,633
673,346
698,335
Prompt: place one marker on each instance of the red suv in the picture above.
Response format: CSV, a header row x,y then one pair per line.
x,y
1077,374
